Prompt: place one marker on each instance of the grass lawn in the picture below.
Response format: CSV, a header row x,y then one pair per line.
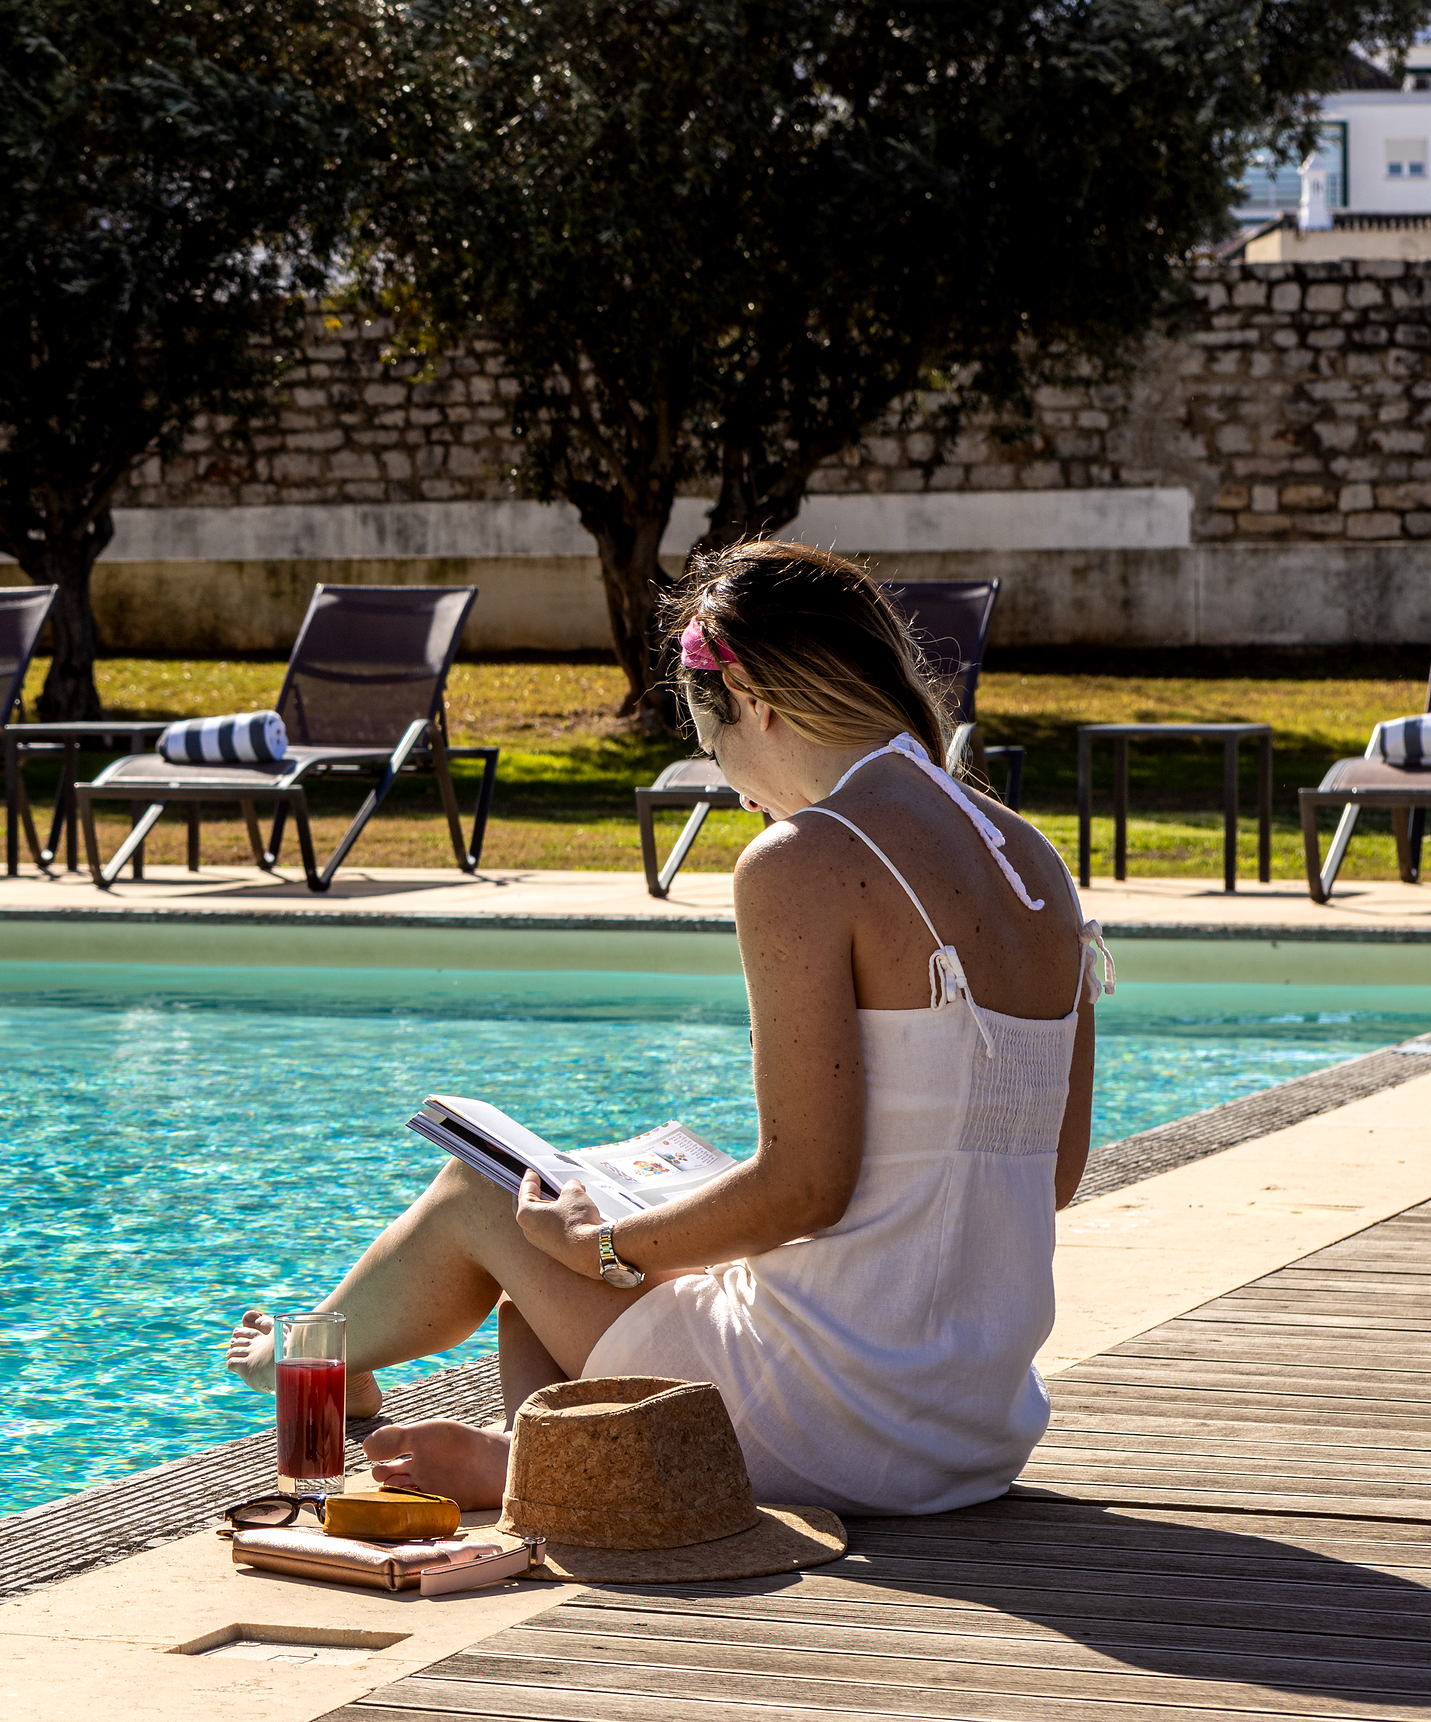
x,y
569,765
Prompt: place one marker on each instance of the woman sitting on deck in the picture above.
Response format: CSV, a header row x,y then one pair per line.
x,y
920,993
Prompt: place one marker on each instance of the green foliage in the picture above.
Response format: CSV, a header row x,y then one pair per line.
x,y
719,238
174,177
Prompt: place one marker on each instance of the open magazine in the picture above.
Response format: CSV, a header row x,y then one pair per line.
x,y
621,1177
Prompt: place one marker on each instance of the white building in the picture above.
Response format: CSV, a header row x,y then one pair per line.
x,y
1373,159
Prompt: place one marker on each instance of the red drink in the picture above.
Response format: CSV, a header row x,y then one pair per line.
x,y
311,1403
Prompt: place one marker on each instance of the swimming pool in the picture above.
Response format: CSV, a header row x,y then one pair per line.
x,y
181,1139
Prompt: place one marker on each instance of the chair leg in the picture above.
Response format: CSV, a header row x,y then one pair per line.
x,y
1312,849
1013,759
275,842
132,844
27,819
255,836
689,832
191,812
469,855
316,881
645,824
1413,844
449,803
1337,853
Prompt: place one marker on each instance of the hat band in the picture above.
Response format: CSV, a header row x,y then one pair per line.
x,y
604,1528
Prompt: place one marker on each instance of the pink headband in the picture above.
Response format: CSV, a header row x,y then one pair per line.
x,y
697,655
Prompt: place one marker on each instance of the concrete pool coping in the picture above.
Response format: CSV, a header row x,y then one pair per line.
x,y
1378,911
1127,1261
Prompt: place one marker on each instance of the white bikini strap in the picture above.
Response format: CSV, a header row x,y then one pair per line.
x,y
944,964
993,838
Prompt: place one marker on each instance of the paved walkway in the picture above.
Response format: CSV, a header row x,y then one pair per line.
x,y
1176,908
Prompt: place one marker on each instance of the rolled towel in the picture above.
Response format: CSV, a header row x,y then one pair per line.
x,y
240,740
1407,741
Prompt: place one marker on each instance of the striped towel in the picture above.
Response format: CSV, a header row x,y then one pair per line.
x,y
239,740
1407,741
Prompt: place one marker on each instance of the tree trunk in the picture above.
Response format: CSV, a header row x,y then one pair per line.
x,y
634,579
69,694
743,509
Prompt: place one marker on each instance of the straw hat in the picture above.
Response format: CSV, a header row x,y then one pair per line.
x,y
634,1479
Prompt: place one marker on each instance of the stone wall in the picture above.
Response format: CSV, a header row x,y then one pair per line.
x,y
1295,405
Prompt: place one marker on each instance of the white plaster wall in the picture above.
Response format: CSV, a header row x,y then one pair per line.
x,y
1107,519
1372,117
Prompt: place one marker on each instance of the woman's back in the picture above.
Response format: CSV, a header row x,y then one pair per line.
x,y
1020,962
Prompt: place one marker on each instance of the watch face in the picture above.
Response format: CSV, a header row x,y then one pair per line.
x,y
622,1278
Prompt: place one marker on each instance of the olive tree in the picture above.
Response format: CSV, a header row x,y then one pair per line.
x,y
717,240
174,176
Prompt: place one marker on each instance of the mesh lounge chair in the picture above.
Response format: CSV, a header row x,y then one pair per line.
x,y
953,617
363,696
23,612
1370,781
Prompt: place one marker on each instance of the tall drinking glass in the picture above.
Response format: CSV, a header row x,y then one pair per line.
x,y
311,1362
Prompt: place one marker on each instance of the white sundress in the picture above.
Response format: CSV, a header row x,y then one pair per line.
x,y
885,1364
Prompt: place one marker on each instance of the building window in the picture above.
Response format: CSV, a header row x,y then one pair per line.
x,y
1406,158
1271,185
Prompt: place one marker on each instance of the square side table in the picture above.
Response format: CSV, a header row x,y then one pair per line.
x,y
25,739
1231,735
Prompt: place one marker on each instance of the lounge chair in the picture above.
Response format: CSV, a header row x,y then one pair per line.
x,y
953,617
23,613
1370,781
362,696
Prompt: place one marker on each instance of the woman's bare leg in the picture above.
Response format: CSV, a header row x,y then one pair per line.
x,y
426,1284
426,1455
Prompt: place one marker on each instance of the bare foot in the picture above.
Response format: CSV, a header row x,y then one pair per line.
x,y
250,1353
440,1457
250,1356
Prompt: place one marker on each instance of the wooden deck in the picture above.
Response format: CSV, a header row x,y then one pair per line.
x,y
1231,1515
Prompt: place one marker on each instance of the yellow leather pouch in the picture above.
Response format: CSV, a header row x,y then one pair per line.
x,y
390,1515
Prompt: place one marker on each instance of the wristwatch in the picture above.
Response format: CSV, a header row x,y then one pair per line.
x,y
613,1270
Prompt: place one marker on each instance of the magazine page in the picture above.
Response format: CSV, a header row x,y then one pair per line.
x,y
496,1145
657,1166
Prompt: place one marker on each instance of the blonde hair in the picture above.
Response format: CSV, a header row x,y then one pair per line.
x,y
814,637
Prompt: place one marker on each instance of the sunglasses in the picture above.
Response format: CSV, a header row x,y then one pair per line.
x,y
268,1512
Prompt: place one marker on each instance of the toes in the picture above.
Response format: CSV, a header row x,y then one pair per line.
x,y
396,1473
387,1443
258,1320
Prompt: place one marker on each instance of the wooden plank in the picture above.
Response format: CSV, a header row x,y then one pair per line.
x,y
1294,1434
1345,1463
903,1684
892,1620
1146,1538
1348,1282
1165,1588
1289,1317
1277,1476
1245,1407
1242,1446
938,1660
1200,1364
1047,1558
1334,1348
1252,1501
586,1686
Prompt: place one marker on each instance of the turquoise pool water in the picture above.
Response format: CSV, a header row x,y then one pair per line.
x,y
182,1140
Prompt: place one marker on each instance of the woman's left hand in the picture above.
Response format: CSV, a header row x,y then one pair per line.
x,y
565,1229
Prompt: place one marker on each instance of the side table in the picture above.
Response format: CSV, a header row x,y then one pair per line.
x,y
1231,735
22,740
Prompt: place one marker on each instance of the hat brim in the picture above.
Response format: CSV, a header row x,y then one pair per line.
x,y
786,1539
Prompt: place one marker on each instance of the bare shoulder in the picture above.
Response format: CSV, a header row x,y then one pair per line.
x,y
1031,855
791,868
